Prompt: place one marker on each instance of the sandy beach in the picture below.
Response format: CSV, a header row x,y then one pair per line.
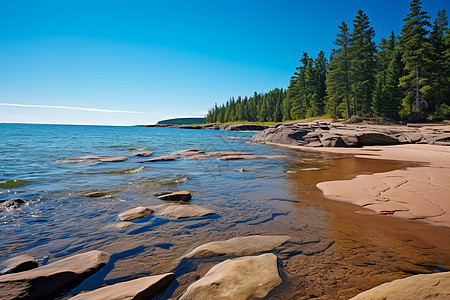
x,y
421,192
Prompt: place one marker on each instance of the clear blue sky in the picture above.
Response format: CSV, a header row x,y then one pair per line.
x,y
136,62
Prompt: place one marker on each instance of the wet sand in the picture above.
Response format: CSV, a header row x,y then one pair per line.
x,y
338,249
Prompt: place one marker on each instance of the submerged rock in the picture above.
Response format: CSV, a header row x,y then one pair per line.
x,y
93,159
11,203
188,152
95,194
176,196
237,279
141,288
18,264
162,158
46,281
181,211
135,213
239,246
236,157
423,286
119,225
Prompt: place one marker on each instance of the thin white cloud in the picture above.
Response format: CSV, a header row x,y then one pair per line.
x,y
72,108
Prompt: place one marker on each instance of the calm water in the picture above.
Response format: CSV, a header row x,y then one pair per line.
x,y
58,221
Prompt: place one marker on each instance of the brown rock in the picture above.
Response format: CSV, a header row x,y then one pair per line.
x,y
135,213
95,194
162,158
18,264
188,152
142,153
141,288
47,281
237,279
177,196
119,225
181,211
114,159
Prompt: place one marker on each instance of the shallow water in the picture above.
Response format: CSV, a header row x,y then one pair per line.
x,y
334,253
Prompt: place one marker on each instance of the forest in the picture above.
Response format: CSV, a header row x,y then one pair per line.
x,y
404,77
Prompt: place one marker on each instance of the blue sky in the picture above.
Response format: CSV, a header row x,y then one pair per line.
x,y
136,62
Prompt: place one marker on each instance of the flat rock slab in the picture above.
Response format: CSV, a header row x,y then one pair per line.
x,y
181,211
95,194
142,153
119,225
93,159
18,264
239,246
176,196
163,158
237,279
141,288
423,286
135,213
42,282
236,157
188,152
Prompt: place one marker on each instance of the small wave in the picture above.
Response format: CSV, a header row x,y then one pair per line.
x,y
175,181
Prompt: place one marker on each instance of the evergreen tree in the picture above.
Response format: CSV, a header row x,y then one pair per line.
x,y
338,82
363,69
438,62
392,91
413,44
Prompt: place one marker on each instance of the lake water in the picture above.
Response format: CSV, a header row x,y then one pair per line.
x,y
334,251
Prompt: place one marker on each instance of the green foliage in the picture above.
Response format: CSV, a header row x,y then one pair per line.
x,y
406,77
441,113
181,121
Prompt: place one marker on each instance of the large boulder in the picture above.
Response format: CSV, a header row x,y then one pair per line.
x,y
135,213
141,288
423,286
181,211
184,196
237,279
18,264
239,246
49,280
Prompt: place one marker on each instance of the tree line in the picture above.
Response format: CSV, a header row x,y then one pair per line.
x,y
403,77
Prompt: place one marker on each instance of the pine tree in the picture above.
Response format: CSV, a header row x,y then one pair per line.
x,y
338,82
438,61
413,44
300,94
392,91
363,69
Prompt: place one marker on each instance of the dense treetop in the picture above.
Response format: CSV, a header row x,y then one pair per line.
x,y
403,77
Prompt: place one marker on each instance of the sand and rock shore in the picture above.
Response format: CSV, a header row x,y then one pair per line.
x,y
419,192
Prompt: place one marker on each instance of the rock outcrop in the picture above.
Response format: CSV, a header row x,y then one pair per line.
x,y
48,280
18,264
135,213
423,286
239,246
317,134
93,159
142,153
181,211
141,288
235,279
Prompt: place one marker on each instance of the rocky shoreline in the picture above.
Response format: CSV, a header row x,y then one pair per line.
x,y
251,270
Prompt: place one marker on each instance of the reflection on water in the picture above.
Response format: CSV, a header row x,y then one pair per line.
x,y
334,251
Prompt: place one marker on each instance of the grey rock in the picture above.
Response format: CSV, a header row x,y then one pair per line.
x,y
11,203
142,153
18,264
49,280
